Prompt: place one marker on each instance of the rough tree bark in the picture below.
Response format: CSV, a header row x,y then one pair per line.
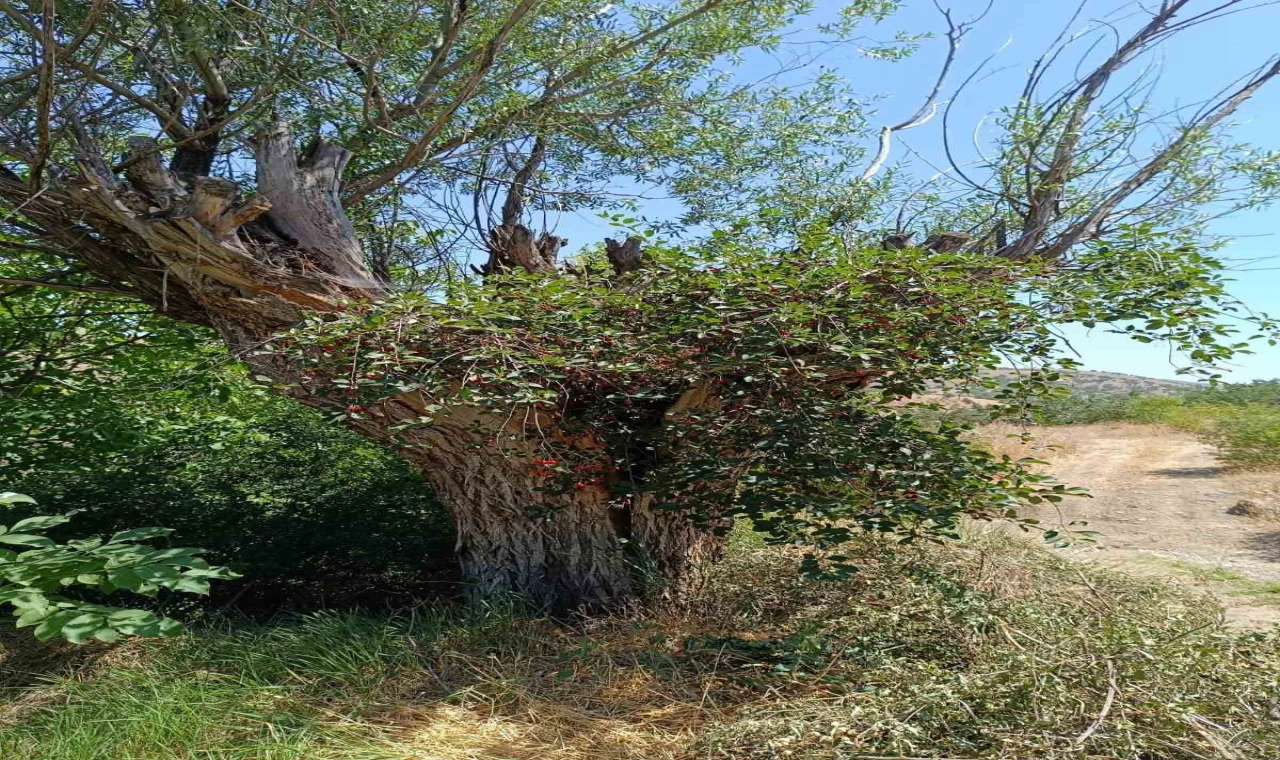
x,y
195,249
583,546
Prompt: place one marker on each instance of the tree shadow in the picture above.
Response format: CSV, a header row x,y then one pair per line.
x,y
24,661
437,579
1265,545
1191,472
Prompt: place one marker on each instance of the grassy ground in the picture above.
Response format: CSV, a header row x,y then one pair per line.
x,y
1222,582
987,649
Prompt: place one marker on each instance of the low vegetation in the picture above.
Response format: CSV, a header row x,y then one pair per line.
x,y
987,648
308,512
1222,581
39,579
1242,421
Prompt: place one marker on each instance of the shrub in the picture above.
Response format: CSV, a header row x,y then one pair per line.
x,y
294,502
1241,421
33,581
1169,410
1247,435
1257,392
1085,409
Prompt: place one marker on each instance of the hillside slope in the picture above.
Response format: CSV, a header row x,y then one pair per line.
x,y
1089,382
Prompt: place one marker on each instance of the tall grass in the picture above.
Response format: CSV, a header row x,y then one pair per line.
x,y
990,648
304,687
1242,422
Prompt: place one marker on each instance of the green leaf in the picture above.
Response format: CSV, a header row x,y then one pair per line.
x,y
52,625
42,522
125,578
33,615
109,635
130,616
81,628
192,585
9,497
162,574
21,597
26,539
139,534
148,625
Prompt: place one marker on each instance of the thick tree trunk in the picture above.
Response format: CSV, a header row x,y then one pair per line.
x,y
558,550
521,531
678,551
564,551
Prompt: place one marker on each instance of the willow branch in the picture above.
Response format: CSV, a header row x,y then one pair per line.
x,y
929,108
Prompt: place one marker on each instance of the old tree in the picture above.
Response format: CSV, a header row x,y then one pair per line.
x,y
356,197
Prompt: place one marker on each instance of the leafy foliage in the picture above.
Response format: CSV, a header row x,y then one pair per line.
x,y
441,96
1264,392
127,418
752,374
271,488
32,576
1086,409
1247,435
778,350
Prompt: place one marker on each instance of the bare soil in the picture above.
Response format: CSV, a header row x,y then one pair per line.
x,y
1161,502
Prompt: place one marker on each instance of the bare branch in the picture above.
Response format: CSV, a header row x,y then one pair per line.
x,y
1066,117
1103,209
421,147
44,92
927,110
512,244
66,286
455,13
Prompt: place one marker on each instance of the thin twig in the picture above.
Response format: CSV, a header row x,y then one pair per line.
x,y
1112,690
929,108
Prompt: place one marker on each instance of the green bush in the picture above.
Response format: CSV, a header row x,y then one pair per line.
x,y
1241,421
301,506
1265,392
1168,410
1085,409
34,578
1247,435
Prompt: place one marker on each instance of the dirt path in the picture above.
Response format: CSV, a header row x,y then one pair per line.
x,y
1161,502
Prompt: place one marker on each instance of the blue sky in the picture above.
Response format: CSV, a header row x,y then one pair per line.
x,y
1192,67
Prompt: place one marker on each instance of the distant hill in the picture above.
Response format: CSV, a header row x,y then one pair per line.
x,y
1090,383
